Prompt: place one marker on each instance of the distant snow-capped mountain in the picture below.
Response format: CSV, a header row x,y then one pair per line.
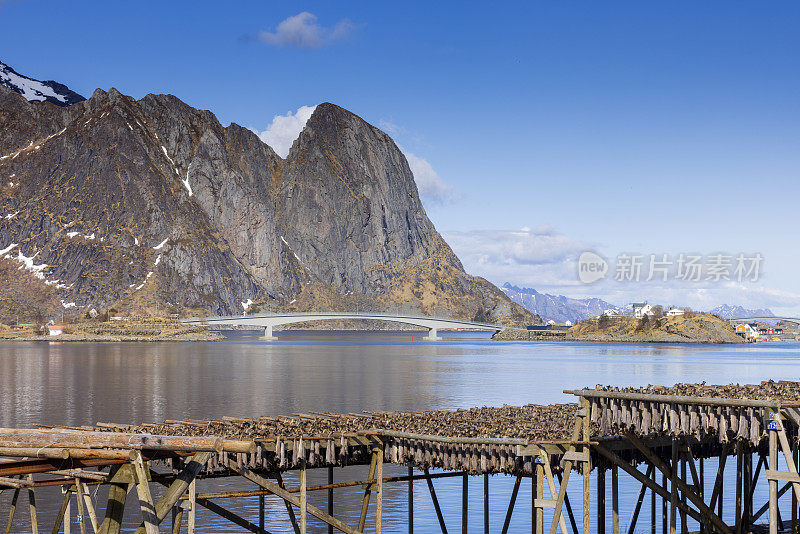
x,y
728,311
557,308
37,91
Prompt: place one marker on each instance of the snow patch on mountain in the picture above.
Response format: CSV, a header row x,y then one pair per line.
x,y
556,308
37,91
729,311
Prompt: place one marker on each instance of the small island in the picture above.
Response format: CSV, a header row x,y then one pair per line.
x,y
648,324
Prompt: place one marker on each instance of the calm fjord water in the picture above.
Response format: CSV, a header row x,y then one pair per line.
x,y
76,384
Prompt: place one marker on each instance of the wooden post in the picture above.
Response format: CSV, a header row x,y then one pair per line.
x,y
464,503
639,501
330,497
586,468
773,484
117,493
511,503
362,520
794,496
261,516
538,478
739,478
664,518
81,511
289,509
379,494
653,513
486,503
410,499
702,489
87,501
11,510
32,506
68,513
304,498
146,505
192,506
673,495
435,500
601,501
684,523
614,500
747,477
177,518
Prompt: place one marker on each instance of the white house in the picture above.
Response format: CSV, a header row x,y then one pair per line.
x,y
612,313
567,323
674,312
640,309
55,329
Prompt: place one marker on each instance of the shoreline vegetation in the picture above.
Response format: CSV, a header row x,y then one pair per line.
x,y
150,330
690,328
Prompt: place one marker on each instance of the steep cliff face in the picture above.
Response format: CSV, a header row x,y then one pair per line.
x,y
133,203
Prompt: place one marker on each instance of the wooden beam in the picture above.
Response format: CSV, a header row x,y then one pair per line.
x,y
435,500
464,503
568,506
485,503
230,516
639,501
62,511
586,467
117,493
638,475
191,521
289,509
81,510
178,487
379,493
548,472
303,498
32,508
773,483
704,510
287,496
511,503
615,500
83,493
11,510
145,498
362,520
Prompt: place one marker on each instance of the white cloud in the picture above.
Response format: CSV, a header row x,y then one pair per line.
x,y
430,186
534,257
285,128
303,31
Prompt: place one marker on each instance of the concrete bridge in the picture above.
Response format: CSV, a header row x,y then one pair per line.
x,y
271,320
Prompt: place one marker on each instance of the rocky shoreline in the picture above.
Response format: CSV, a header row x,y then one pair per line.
x,y
88,338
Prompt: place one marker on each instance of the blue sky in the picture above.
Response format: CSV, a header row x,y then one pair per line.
x,y
541,129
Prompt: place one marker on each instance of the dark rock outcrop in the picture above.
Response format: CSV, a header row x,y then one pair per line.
x,y
137,203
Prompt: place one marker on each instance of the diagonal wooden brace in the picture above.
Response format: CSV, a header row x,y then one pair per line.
x,y
685,489
286,496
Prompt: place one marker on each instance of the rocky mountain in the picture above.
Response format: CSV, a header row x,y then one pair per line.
x,y
131,203
728,311
556,308
37,91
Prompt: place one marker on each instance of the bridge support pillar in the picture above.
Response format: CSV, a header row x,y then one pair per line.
x,y
433,335
268,334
